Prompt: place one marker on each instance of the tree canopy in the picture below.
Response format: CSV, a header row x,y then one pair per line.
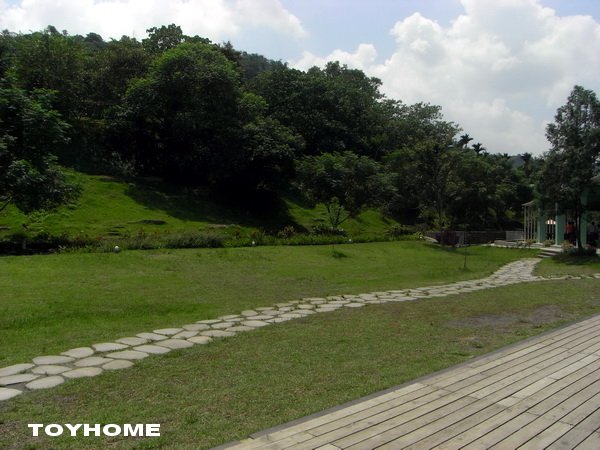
x,y
573,158
209,116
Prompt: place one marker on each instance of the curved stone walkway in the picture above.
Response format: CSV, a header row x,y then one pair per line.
x,y
45,372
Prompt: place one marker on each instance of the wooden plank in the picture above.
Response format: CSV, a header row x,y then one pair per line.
x,y
586,415
380,422
395,427
397,406
578,433
504,385
442,428
402,394
548,436
592,442
559,406
480,429
502,431
459,427
529,431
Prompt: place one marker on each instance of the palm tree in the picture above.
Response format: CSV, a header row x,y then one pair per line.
x,y
464,140
479,148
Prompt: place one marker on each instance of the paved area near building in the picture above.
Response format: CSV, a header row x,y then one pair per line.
x,y
541,393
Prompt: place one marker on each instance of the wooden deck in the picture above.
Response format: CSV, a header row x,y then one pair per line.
x,y
541,393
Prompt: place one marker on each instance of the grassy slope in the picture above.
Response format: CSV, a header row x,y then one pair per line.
x,y
110,206
52,303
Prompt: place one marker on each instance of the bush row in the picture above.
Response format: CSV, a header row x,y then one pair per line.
x,y
19,243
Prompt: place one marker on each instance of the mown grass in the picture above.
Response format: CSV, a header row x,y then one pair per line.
x,y
209,395
569,264
52,303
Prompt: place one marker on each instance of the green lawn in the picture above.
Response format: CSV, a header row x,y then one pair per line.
x,y
55,302
208,395
568,265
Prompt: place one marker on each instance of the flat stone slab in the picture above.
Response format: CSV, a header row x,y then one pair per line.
x,y
354,305
291,316
50,369
83,372
268,312
92,361
209,321
220,325
45,383
239,328
152,349
326,309
231,316
18,378
185,334
262,317
109,346
79,352
249,313
43,360
200,340
152,336
13,370
255,323
215,333
6,393
175,343
196,327
117,364
169,331
128,354
132,341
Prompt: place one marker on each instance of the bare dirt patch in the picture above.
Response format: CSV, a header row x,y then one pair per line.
x,y
540,316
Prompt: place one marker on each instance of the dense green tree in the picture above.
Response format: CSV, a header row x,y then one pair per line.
x,y
163,38
29,133
50,60
344,182
181,120
333,109
425,167
268,148
575,151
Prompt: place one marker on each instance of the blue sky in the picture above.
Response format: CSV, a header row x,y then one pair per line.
x,y
499,68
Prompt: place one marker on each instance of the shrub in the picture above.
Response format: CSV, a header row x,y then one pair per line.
x,y
288,232
328,231
400,230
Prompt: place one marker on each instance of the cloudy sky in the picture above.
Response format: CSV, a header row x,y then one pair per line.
x,y
499,68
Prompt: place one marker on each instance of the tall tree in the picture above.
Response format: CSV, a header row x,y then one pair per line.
x,y
344,182
181,120
575,152
29,133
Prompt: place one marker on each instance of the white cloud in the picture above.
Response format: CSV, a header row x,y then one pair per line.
x,y
215,19
363,58
499,70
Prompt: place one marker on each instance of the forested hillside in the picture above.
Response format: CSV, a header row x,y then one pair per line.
x,y
240,129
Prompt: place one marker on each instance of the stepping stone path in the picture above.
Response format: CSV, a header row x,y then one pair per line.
x,y
48,371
